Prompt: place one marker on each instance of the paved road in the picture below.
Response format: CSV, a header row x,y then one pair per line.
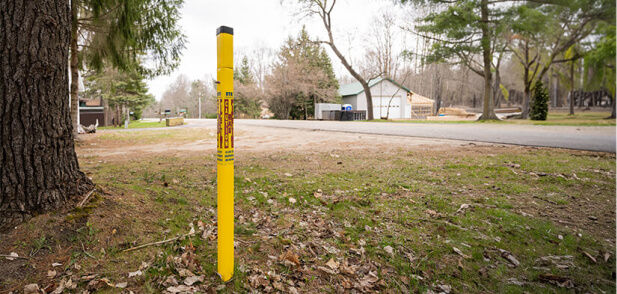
x,y
570,137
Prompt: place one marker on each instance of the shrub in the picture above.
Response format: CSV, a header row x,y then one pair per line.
x,y
539,103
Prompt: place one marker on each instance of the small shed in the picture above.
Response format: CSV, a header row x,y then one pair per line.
x,y
421,107
390,99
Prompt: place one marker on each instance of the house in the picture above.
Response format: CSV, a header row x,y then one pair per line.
x,y
390,100
91,110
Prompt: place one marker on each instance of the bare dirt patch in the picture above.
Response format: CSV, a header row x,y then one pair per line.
x,y
189,141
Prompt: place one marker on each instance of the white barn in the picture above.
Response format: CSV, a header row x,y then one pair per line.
x,y
389,99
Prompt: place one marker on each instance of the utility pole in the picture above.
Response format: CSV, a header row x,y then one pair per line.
x,y
199,98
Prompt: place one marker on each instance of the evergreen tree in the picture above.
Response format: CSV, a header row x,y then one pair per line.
x,y
306,64
539,104
122,90
247,102
130,35
243,73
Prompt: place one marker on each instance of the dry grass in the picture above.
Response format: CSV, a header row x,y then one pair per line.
x,y
388,218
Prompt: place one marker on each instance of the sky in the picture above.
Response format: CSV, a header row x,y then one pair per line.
x,y
263,23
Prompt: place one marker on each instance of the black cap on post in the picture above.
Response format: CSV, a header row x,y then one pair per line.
x,y
224,29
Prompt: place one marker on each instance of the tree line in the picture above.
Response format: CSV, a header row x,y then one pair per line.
x,y
541,40
299,75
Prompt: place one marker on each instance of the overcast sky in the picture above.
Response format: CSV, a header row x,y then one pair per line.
x,y
263,23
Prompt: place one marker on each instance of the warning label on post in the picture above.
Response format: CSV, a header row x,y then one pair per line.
x,y
225,128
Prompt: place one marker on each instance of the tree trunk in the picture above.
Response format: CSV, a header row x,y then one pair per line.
x,y
497,89
38,165
369,100
106,112
572,88
367,89
613,103
527,91
488,111
437,89
526,99
74,70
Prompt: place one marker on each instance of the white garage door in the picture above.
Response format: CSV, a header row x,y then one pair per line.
x,y
381,105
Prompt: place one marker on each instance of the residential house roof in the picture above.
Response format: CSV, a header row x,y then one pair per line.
x,y
356,88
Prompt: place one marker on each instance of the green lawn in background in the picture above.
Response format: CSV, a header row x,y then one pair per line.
x,y
138,124
554,119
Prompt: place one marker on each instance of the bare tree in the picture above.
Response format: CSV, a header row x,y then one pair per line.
x,y
323,9
381,59
177,96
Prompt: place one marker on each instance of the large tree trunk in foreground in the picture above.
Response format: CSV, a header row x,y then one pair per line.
x,y
38,164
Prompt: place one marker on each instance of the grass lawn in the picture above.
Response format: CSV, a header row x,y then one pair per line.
x,y
578,119
138,124
473,219
553,119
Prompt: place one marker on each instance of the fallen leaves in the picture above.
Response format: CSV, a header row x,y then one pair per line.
x,y
459,252
388,249
463,207
560,281
31,289
559,261
593,259
332,264
11,256
189,281
182,289
444,288
318,194
509,257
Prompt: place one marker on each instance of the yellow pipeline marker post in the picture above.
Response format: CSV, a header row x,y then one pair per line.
x,y
225,151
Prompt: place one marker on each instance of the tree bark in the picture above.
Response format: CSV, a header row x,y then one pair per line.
x,y
488,110
572,88
497,88
613,103
528,81
39,170
526,99
74,68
